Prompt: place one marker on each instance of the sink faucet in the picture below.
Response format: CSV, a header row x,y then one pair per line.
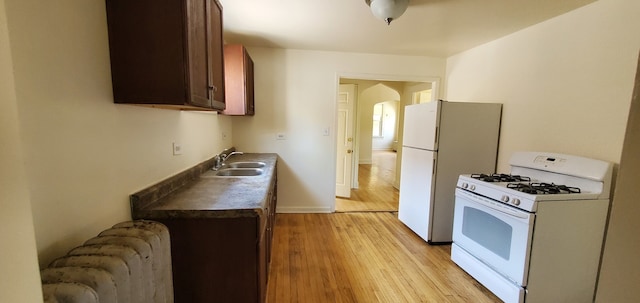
x,y
225,157
219,159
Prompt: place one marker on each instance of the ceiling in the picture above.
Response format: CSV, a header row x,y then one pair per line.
x,y
437,28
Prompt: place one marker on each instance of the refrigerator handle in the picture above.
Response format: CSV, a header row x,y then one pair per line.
x,y
436,138
433,167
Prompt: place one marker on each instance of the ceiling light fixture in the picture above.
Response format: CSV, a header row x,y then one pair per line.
x,y
387,10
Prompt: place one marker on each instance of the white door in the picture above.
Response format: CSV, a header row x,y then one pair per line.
x,y
344,137
416,190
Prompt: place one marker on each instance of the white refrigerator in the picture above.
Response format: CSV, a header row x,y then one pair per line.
x,y
442,140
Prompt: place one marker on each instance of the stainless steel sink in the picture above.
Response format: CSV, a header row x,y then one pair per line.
x,y
234,172
245,164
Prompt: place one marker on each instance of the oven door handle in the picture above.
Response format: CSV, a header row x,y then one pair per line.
x,y
521,214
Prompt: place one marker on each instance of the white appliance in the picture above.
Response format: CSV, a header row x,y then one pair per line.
x,y
441,141
535,235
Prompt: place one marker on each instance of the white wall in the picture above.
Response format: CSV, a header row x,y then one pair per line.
x,y
20,279
84,155
296,95
565,83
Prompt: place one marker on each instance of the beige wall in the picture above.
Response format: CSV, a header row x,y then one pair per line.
x,y
20,279
620,275
296,94
565,83
84,155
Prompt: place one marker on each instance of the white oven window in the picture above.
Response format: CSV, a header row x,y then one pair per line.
x,y
488,231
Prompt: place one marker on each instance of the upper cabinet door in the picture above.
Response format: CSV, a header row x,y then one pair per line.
x,y
167,53
238,68
198,62
217,54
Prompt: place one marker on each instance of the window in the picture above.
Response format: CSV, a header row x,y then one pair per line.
x,y
378,111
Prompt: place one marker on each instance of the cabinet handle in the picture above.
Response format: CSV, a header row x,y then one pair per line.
x,y
213,88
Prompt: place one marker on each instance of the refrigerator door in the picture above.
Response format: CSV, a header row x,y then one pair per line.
x,y
420,125
416,190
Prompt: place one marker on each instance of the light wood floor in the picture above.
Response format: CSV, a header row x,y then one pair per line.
x,y
362,257
375,190
363,253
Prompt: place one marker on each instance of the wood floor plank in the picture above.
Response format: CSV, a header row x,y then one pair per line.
x,y
362,257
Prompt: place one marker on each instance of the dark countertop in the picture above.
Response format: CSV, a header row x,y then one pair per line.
x,y
198,193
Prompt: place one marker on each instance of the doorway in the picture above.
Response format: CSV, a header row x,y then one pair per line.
x,y
375,182
375,191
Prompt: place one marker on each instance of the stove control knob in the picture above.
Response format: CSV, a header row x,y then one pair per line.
x,y
465,185
516,201
473,187
505,198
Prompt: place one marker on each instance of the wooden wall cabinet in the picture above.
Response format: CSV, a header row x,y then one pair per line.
x,y
238,68
167,53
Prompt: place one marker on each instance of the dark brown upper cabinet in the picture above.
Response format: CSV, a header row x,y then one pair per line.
x,y
167,53
238,71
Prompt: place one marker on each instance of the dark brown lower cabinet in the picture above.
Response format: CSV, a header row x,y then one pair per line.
x,y
222,259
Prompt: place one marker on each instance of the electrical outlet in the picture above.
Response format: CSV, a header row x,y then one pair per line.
x,y
224,135
177,149
281,136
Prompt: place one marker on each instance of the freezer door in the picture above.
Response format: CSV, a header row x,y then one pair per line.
x,y
416,190
420,125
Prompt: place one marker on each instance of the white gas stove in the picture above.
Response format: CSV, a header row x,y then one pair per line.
x,y
522,234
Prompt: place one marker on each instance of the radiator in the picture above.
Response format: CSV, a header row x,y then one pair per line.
x,y
60,292
128,263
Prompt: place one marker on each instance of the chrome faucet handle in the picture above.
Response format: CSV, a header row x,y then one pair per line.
x,y
217,162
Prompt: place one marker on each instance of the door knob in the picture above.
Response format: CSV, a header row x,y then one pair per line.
x,y
349,151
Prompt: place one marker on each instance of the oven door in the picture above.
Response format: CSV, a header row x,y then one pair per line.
x,y
496,234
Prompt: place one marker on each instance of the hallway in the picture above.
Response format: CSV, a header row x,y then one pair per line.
x,y
376,192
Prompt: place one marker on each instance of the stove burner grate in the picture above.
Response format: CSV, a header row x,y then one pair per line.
x,y
500,178
543,188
